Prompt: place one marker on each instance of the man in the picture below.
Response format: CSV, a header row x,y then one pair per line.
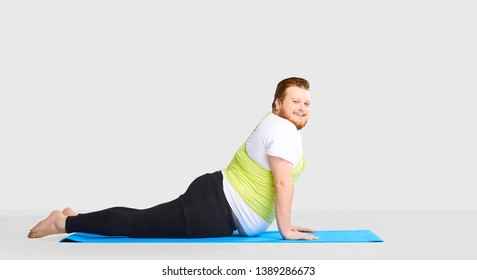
x,y
256,187
273,153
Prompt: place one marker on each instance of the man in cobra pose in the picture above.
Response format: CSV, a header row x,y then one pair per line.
x,y
247,196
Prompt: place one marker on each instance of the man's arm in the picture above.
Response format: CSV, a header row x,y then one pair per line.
x,y
282,174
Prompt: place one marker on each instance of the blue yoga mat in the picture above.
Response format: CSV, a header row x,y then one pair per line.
x,y
328,236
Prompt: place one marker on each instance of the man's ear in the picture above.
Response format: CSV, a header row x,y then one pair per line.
x,y
278,104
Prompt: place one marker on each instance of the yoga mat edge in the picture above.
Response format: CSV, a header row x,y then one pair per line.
x,y
325,236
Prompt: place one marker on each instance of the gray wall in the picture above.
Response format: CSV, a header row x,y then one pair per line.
x,y
113,103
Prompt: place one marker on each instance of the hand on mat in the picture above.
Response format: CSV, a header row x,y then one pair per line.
x,y
298,232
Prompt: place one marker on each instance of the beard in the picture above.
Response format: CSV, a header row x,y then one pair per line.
x,y
297,121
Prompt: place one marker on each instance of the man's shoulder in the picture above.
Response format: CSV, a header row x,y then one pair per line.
x,y
273,122
275,128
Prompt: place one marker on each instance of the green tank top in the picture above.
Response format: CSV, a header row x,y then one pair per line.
x,y
254,183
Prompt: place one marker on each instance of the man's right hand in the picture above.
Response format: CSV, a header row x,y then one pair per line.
x,y
295,235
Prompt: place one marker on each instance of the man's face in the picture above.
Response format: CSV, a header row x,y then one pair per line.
x,y
295,107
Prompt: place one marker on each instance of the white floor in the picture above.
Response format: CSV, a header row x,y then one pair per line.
x,y
407,235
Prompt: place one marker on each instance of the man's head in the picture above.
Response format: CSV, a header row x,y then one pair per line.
x,y
292,101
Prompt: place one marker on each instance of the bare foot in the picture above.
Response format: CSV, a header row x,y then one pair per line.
x,y
53,224
69,212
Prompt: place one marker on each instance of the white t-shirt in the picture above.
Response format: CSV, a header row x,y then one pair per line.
x,y
273,136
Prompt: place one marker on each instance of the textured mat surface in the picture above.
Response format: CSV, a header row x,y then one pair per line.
x,y
325,236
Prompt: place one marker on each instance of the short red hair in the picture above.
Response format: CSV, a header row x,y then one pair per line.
x,y
286,83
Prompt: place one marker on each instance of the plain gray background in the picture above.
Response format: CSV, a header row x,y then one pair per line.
x,y
106,103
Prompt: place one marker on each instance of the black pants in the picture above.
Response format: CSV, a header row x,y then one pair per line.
x,y
202,211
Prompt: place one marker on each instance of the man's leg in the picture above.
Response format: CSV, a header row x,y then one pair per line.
x,y
163,220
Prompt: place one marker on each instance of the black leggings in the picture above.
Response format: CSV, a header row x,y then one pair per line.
x,y
202,211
